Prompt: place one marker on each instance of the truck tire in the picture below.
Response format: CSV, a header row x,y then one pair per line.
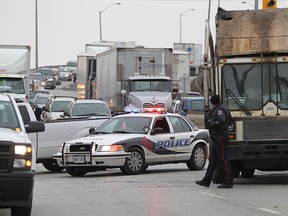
x,y
236,167
22,211
52,166
198,158
135,164
75,171
247,173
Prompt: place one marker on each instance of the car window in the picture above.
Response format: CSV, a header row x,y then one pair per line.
x,y
176,123
41,100
162,123
59,106
25,114
8,116
133,125
90,109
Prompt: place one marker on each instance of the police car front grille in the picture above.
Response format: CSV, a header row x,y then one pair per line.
x,y
80,148
264,129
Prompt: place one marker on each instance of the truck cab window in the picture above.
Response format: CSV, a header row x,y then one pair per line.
x,y
254,85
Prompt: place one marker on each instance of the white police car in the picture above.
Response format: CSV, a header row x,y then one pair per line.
x,y
133,142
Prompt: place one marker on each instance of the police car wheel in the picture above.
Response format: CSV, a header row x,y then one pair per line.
x,y
247,173
198,158
52,166
135,164
75,171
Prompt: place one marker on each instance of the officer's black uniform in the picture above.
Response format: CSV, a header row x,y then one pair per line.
x,y
219,121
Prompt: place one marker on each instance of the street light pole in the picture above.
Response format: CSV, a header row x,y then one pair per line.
x,y
100,21
181,14
36,34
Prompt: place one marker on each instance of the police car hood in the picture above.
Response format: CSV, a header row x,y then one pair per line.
x,y
16,136
106,139
149,97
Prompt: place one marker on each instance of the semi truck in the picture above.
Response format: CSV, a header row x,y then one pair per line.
x,y
128,79
15,70
248,69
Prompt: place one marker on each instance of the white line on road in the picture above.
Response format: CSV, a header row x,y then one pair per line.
x,y
270,211
213,195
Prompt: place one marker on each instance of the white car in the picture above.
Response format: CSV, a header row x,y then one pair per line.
x,y
133,142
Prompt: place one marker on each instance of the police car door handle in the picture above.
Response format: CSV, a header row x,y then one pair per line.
x,y
172,138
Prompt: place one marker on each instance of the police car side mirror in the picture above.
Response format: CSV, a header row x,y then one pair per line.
x,y
91,130
156,130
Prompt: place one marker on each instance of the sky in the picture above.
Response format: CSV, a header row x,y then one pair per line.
x,y
65,26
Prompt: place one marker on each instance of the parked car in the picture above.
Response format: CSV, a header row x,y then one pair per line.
x,y
133,142
48,77
41,99
87,107
65,73
55,107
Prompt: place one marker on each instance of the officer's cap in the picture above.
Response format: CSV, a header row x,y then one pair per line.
x,y
215,99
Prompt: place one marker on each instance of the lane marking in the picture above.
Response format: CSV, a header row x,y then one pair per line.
x,y
270,211
213,195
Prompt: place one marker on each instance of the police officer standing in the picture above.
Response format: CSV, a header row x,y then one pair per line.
x,y
219,121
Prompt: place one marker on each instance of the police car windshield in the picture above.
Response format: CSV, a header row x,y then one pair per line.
x,y
132,125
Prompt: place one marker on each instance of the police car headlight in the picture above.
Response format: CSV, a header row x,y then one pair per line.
x,y
60,148
110,148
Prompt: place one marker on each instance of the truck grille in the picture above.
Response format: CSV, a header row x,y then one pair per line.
x,y
80,148
4,164
6,156
150,105
266,129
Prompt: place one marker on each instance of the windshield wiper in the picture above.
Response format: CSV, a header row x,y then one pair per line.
x,y
101,132
238,102
120,131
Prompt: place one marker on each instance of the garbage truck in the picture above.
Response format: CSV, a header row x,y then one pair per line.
x,y
248,69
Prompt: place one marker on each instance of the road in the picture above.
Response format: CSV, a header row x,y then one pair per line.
x,y
67,88
165,190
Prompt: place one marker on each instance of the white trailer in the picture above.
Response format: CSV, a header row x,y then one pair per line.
x,y
15,70
195,53
108,74
98,47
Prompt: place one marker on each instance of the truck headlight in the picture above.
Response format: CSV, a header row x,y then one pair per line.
x,y
22,149
110,148
23,156
22,163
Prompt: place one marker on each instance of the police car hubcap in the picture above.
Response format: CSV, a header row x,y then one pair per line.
x,y
199,157
135,162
